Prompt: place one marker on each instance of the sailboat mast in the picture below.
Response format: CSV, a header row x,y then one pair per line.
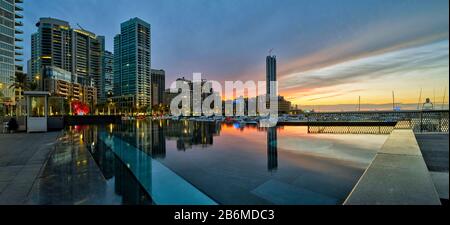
x,y
443,100
434,97
420,99
359,103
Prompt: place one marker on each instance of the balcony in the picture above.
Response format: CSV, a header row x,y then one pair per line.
x,y
18,16
18,8
17,31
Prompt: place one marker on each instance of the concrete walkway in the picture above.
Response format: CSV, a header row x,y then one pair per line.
x,y
22,157
397,176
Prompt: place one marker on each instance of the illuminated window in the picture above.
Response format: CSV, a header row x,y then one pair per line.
x,y
37,106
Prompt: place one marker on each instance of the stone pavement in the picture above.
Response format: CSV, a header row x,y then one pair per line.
x,y
22,157
397,176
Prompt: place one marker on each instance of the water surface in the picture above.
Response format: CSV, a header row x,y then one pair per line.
x,y
186,162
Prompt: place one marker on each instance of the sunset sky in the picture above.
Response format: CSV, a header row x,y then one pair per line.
x,y
329,52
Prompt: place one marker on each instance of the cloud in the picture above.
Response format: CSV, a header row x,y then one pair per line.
x,y
334,95
399,62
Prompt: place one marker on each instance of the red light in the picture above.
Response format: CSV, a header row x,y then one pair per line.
x,y
79,108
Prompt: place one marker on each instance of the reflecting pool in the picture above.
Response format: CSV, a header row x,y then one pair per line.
x,y
187,162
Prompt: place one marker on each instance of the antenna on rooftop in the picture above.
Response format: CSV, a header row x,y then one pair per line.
x,y
270,51
80,26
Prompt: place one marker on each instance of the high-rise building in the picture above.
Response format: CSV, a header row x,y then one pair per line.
x,y
108,73
271,71
77,51
87,59
132,62
10,50
158,78
51,45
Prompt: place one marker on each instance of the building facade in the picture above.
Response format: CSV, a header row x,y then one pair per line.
x,y
108,73
284,106
59,83
76,51
168,97
87,59
132,62
271,71
10,48
158,78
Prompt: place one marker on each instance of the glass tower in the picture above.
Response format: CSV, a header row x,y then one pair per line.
x,y
132,62
10,51
271,71
158,86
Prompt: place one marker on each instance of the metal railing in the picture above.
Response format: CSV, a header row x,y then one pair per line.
x,y
419,121
350,129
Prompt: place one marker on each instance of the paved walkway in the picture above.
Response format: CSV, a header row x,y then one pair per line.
x,y
22,157
397,176
71,177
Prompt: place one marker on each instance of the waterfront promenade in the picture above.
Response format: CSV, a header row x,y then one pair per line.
x,y
397,176
51,169
22,157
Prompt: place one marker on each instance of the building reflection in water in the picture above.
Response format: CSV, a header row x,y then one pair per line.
x,y
190,133
148,136
272,149
113,170
116,172
72,176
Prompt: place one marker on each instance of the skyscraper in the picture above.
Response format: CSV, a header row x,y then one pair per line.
x,y
77,51
51,46
87,58
132,62
108,73
158,86
10,51
271,71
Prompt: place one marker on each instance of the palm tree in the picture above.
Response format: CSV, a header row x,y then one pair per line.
x,y
19,81
20,84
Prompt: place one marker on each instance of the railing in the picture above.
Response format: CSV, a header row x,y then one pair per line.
x,y
419,121
350,129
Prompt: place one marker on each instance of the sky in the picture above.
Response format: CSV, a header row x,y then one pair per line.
x,y
329,52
